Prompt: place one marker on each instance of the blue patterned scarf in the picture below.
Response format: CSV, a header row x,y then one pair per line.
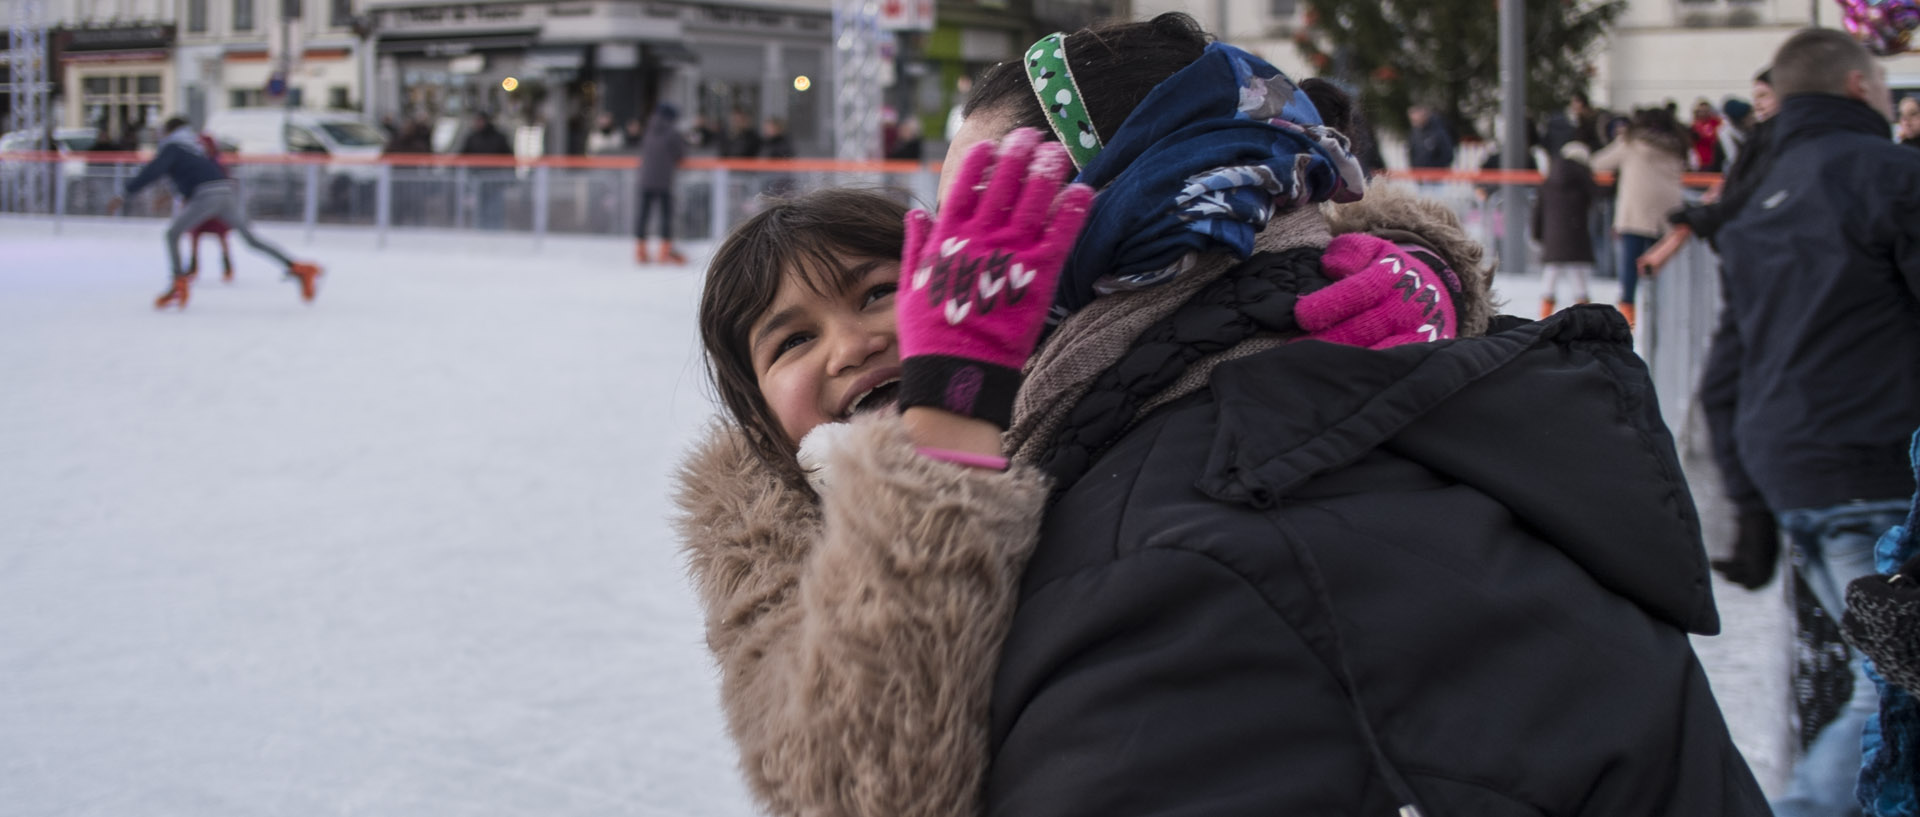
x,y
1199,167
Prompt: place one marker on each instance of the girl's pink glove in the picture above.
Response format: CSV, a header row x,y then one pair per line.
x,y
976,283
1383,295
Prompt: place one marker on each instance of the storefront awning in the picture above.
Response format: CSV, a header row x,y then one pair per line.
x,y
442,46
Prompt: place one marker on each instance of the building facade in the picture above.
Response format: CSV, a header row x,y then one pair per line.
x,y
559,65
1685,50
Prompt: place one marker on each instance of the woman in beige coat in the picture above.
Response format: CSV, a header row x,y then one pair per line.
x,y
1648,160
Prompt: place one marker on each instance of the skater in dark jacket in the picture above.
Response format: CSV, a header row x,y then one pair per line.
x,y
209,195
1210,566
660,153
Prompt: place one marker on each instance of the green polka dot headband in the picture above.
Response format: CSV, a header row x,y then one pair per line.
x,y
1060,98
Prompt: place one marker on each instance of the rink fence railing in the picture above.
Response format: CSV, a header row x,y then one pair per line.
x,y
574,196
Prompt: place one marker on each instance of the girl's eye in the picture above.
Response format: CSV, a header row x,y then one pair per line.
x,y
789,343
879,293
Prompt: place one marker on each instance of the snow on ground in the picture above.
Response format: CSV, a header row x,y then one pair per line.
x,y
400,552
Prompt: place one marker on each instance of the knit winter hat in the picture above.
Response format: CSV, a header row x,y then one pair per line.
x,y
1736,109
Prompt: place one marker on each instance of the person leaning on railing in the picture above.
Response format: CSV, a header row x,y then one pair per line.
x,y
1720,204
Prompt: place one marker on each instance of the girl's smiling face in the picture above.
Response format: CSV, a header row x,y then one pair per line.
x,y
826,347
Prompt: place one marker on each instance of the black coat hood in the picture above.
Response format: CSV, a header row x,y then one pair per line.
x,y
1470,410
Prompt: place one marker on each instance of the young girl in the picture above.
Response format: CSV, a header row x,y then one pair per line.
x,y
1218,570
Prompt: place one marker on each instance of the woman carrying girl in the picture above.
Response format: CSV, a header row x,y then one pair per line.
x,y
1273,522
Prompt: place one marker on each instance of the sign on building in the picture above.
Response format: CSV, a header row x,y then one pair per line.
x,y
906,15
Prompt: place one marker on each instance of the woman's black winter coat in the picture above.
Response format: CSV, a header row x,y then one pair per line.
x,y
1560,219
1460,574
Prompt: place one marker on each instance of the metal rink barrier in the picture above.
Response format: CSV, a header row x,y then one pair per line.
x,y
564,196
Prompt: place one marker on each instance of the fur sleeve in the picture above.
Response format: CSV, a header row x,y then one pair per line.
x,y
857,642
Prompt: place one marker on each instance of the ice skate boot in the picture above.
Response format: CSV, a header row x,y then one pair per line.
x,y
305,272
1632,319
226,270
1546,308
176,295
640,252
668,256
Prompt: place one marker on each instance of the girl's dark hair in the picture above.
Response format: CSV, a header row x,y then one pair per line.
x,y
1117,65
811,236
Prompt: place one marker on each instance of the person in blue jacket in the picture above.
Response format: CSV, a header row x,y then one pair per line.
x,y
209,195
1813,382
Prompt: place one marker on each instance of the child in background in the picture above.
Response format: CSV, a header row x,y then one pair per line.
x,y
213,226
1560,224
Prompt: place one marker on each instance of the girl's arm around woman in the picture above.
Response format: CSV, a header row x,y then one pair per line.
x,y
857,637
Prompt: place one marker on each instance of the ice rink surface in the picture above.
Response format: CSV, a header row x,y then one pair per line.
x,y
404,551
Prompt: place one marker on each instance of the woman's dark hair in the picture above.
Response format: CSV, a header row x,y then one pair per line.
x,y
1660,128
810,236
1117,65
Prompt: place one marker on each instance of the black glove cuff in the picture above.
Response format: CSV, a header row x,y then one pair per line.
x,y
963,386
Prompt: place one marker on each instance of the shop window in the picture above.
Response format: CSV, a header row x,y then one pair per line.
x,y
340,13
96,85
197,15
148,84
291,10
242,15
1282,9
245,98
337,98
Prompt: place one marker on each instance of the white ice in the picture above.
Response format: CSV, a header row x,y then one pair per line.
x,y
403,552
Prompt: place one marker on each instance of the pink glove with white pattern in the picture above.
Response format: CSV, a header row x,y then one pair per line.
x,y
1384,294
977,282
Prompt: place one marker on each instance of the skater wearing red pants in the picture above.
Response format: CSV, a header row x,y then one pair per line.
x,y
209,195
213,226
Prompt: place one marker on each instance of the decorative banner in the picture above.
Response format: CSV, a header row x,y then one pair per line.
x,y
1885,27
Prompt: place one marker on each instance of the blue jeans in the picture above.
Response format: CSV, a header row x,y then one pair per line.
x,y
1836,546
1631,246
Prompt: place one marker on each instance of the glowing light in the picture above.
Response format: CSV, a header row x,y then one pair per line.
x,y
801,83
509,84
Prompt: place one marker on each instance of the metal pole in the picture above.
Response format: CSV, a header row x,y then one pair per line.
x,y
383,203
1514,148
540,205
312,213
718,205
59,198
28,113
1220,20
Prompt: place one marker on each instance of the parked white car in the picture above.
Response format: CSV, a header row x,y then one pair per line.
x,y
66,141
279,132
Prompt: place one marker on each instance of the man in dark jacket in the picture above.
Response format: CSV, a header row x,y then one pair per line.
x,y
209,195
486,140
742,139
1428,143
660,153
1813,385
